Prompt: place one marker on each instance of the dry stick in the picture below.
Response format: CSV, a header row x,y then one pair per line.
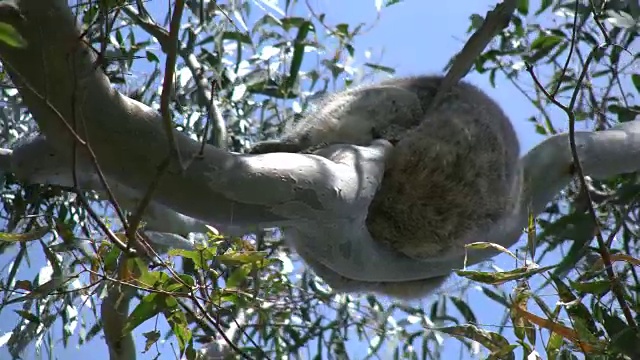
x,y
100,61
139,250
215,115
170,66
93,157
74,118
616,286
169,44
213,112
136,217
174,152
571,49
209,119
598,23
218,328
496,20
198,74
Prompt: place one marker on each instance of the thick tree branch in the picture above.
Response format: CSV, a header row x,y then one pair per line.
x,y
320,203
37,162
114,311
128,138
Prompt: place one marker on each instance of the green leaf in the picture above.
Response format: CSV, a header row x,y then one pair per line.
x,y
626,342
464,309
599,287
576,310
150,306
386,69
342,31
476,22
503,276
170,302
523,7
574,226
496,343
111,259
187,280
152,337
178,322
542,46
500,299
545,41
635,79
541,130
237,277
153,279
29,316
298,54
391,2
242,258
625,114
613,324
53,260
35,234
10,36
151,57
175,287
554,344
544,5
199,257
237,36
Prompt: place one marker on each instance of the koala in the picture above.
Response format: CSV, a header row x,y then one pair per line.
x,y
453,172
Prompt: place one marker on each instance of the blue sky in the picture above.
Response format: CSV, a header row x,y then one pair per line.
x,y
415,37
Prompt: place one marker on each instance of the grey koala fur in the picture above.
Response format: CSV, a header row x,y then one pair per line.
x,y
355,116
451,176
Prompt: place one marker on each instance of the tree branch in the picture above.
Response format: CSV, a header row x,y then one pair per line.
x,y
129,140
114,312
320,203
37,162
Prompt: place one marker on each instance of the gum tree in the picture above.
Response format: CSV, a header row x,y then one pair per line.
x,y
164,153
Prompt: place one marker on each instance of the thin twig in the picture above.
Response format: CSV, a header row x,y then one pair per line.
x,y
496,20
220,330
169,72
571,48
190,60
174,152
616,286
136,217
74,119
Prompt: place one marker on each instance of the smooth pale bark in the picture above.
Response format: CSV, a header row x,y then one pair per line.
x,y
320,202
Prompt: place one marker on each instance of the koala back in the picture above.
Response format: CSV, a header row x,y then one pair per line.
x,y
450,177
